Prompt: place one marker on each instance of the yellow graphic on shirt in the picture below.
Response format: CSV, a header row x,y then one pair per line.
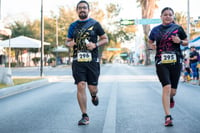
x,y
91,28
81,36
83,54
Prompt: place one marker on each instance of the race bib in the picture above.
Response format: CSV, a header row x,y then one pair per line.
x,y
84,57
168,58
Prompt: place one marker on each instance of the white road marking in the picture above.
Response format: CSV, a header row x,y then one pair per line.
x,y
110,121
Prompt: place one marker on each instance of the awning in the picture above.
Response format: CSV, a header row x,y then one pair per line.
x,y
60,49
22,42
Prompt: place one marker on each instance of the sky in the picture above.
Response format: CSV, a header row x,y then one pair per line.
x,y
32,8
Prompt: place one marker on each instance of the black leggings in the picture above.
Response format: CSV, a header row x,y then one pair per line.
x,y
169,74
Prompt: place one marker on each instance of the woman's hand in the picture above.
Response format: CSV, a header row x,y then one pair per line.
x,y
151,45
176,39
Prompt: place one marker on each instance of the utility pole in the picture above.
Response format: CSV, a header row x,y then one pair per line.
x,y
188,19
0,10
56,40
42,40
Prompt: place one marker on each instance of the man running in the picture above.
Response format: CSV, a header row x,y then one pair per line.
x,y
83,37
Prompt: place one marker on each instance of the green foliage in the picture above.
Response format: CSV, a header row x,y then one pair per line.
x,y
20,28
15,64
51,60
64,18
33,50
36,60
18,81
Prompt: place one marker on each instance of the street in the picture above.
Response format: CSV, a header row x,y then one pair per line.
x,y
130,102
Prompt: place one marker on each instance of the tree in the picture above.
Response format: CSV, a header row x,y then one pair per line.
x,y
117,33
66,15
148,7
21,28
195,28
181,19
65,18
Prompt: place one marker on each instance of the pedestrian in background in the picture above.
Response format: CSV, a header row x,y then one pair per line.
x,y
193,64
187,74
187,71
83,37
168,37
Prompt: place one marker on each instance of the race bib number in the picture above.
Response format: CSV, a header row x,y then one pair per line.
x,y
84,57
168,58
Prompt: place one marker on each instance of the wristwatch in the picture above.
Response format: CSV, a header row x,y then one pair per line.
x,y
181,42
97,44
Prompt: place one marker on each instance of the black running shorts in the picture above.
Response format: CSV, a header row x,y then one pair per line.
x,y
86,71
169,74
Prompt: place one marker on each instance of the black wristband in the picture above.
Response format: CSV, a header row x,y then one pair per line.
x,y
181,42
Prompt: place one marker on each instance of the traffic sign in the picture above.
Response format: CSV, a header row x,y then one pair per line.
x,y
127,22
113,49
123,54
139,21
147,21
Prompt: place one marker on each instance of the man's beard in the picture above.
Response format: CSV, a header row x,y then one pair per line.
x,y
83,15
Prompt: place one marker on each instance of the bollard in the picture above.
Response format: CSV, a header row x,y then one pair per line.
x,y
6,76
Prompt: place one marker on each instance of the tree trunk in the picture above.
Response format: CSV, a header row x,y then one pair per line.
x,y
146,29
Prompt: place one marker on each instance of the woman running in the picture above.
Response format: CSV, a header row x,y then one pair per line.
x,y
168,37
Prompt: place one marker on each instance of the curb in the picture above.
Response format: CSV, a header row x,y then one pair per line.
x,y
8,91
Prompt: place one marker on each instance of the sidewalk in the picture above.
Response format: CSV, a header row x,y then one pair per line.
x,y
8,91
192,82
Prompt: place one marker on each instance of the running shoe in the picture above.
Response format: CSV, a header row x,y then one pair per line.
x,y
84,120
95,100
168,121
172,102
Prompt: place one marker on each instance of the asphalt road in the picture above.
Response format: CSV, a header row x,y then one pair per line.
x,y
130,102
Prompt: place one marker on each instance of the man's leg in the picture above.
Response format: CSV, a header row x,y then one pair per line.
x,y
81,96
82,100
93,91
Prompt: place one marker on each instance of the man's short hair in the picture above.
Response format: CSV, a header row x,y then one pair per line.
x,y
82,1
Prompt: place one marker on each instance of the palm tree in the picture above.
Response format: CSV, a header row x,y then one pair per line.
x,y
148,7
181,19
195,26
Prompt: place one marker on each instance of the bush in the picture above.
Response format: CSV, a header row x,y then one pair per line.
x,y
12,64
51,60
36,60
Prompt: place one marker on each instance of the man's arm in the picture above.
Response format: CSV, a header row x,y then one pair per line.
x,y
70,42
102,40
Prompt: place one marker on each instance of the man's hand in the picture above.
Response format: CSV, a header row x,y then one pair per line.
x,y
91,46
70,43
